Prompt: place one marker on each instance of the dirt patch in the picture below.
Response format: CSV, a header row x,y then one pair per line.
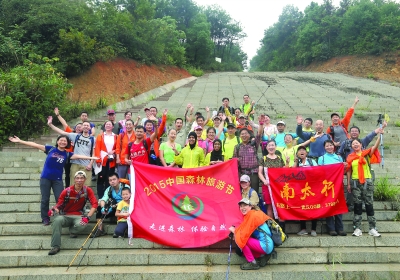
x,y
384,67
121,79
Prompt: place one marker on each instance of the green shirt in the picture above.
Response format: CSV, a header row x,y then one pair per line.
x,y
169,154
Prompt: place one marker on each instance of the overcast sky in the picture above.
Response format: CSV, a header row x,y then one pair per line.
x,y
256,16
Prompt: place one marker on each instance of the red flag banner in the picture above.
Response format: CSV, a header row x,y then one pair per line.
x,y
186,208
308,193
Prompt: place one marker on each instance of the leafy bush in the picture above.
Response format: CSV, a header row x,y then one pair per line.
x,y
28,94
385,191
197,72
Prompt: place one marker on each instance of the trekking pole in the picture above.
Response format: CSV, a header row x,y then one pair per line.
x,y
101,222
229,256
80,249
380,125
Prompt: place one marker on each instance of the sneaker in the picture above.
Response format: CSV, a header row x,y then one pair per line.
x,y
342,233
313,233
54,251
115,236
249,266
302,232
263,261
357,232
71,235
46,221
373,232
333,233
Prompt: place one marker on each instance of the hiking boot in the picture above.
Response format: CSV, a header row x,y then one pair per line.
x,y
302,232
357,232
342,233
54,251
98,233
333,233
46,221
249,266
313,233
263,261
373,232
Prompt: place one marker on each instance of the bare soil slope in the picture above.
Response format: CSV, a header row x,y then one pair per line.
x,y
384,67
121,79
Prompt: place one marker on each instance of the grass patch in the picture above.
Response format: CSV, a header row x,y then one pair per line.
x,y
197,72
385,190
397,123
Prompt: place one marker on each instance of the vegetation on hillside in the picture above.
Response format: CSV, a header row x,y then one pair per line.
x,y
44,41
325,31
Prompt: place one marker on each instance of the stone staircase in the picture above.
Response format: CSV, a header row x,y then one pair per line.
x,y
24,242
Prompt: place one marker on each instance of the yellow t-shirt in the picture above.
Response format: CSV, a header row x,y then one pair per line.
x,y
229,146
288,152
123,206
354,167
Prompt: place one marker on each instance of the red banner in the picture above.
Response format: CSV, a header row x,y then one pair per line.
x,y
308,193
186,208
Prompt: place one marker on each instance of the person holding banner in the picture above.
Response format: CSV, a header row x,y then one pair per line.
x,y
301,160
253,236
269,161
334,223
361,184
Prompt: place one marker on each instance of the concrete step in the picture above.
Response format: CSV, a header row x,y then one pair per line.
x,y
291,228
165,272
155,257
38,242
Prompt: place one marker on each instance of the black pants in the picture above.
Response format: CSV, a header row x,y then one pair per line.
x,y
102,179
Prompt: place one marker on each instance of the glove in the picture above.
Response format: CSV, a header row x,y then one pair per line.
x,y
51,212
84,221
103,210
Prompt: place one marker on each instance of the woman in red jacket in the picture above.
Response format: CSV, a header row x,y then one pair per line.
x,y
105,151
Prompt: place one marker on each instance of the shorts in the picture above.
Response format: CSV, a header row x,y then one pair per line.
x,y
266,194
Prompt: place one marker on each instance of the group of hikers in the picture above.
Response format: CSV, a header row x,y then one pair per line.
x,y
197,140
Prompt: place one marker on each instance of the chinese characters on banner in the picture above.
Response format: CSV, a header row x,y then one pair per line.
x,y
308,193
186,208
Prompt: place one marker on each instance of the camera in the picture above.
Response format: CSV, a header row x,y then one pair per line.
x,y
110,157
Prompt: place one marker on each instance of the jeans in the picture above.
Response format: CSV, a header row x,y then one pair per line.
x,y
45,186
120,229
334,223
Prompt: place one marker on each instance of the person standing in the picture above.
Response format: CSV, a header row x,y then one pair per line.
x,y
246,153
116,126
51,177
84,144
169,149
359,182
230,141
123,140
192,155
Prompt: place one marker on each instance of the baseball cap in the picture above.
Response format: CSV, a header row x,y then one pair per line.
x,y
231,125
80,172
109,112
216,117
245,201
198,127
335,114
146,109
245,178
281,122
241,116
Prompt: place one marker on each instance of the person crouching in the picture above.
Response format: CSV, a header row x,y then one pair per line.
x,y
253,236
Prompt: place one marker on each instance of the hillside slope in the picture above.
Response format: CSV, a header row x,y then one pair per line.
x,y
121,79
384,67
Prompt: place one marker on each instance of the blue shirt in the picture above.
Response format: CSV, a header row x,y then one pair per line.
x,y
116,195
317,148
54,165
266,242
329,159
